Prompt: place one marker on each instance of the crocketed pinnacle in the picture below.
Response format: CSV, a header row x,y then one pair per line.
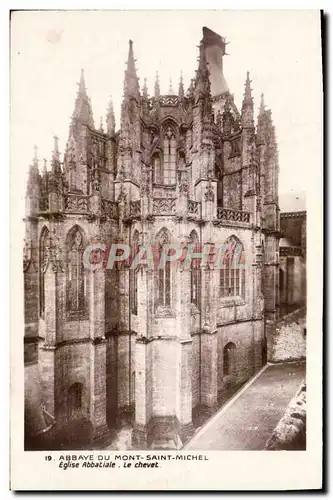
x,y
247,106
157,91
101,129
110,119
33,176
131,81
82,110
170,89
262,105
181,87
145,89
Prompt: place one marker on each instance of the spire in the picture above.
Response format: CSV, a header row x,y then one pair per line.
x,y
157,91
170,89
181,86
247,106
145,89
82,111
131,81
110,119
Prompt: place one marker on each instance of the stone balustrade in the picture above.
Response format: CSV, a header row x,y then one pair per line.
x,y
232,215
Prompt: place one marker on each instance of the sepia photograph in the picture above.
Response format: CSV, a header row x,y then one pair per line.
x,y
163,165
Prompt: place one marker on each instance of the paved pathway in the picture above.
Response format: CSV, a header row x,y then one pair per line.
x,y
249,418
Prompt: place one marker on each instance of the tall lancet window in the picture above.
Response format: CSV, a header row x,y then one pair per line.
x,y
43,259
169,156
195,271
162,274
76,283
232,272
158,171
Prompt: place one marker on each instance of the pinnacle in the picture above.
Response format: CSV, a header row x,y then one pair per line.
x,y
170,90
55,153
248,91
181,86
110,119
131,82
35,158
145,89
157,87
262,104
101,124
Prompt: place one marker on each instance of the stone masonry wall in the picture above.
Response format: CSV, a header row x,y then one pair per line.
x,y
287,339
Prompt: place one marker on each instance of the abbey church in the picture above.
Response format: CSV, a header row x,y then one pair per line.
x,y
156,351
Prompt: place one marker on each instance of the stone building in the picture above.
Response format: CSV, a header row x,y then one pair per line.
x,y
153,349
292,248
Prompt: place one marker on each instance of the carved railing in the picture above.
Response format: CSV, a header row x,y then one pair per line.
x,y
164,206
135,208
231,215
194,207
109,208
76,203
169,100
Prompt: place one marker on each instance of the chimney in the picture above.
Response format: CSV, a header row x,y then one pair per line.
x,y
214,46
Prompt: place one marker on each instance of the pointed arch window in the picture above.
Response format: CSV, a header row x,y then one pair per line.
x,y
43,256
169,157
163,276
232,272
195,271
76,281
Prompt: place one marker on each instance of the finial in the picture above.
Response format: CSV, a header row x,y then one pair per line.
x,y
157,92
45,166
181,86
35,153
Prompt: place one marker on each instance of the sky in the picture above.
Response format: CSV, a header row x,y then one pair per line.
x,y
281,49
